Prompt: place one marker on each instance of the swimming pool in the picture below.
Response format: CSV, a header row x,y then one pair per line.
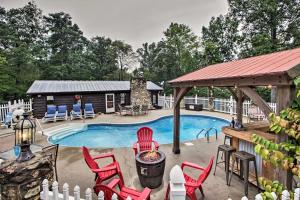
x,y
124,135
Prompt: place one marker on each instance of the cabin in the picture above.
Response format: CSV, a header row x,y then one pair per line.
x,y
104,95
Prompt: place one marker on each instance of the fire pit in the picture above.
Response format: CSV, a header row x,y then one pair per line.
x,y
150,166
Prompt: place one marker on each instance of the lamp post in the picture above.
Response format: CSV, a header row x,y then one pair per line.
x,y
24,136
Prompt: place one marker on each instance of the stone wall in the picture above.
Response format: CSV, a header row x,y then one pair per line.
x,y
23,180
139,93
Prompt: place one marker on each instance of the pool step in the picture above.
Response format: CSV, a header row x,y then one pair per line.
x,y
64,131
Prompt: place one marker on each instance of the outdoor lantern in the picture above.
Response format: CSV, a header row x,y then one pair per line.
x,y
24,136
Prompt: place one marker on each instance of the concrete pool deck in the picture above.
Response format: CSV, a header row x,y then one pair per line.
x,y
73,169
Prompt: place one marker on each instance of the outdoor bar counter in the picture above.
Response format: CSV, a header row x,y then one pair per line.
x,y
241,140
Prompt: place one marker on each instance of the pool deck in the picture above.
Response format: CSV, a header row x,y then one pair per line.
x,y
73,169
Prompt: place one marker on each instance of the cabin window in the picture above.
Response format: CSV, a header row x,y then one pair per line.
x,y
50,99
122,95
154,99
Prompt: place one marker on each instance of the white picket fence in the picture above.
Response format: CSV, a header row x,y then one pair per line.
x,y
55,195
11,105
177,189
220,105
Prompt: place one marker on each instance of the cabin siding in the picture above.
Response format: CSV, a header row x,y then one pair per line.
x,y
39,106
67,100
97,99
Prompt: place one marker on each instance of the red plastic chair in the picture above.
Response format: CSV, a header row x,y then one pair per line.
x,y
145,140
103,173
191,185
124,191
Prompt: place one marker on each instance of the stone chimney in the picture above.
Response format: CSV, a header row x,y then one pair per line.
x,y
139,93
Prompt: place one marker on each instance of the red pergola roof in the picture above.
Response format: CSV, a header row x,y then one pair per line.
x,y
269,64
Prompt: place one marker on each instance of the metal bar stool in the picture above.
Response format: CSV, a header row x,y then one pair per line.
x,y
245,158
227,150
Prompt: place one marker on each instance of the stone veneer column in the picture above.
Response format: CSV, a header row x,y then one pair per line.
x,y
139,93
23,180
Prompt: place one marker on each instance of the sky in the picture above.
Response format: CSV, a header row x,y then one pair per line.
x,y
133,21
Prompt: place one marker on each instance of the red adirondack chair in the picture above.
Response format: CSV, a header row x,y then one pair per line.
x,y
191,185
145,140
124,191
102,173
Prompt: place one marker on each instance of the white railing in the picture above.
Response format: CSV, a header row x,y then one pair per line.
x,y
177,189
11,105
55,195
166,102
220,105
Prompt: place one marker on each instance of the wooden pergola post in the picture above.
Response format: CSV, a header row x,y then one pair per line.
x,y
285,95
239,106
178,95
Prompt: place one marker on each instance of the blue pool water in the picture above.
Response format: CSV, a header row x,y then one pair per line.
x,y
124,135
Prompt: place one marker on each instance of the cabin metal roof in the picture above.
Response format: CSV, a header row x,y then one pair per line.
x,y
279,63
42,86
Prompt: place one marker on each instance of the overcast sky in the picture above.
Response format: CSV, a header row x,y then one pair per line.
x,y
134,21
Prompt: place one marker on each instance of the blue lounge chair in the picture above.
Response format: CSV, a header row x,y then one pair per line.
x,y
8,120
76,112
50,115
89,110
62,113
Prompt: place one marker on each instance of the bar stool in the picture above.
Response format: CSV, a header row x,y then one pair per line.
x,y
228,137
245,158
227,150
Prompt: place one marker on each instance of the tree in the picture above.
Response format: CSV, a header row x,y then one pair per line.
x,y
220,40
126,57
183,45
65,42
20,36
177,53
102,58
267,26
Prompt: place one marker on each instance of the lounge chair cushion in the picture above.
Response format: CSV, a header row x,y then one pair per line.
x,y
62,109
88,107
76,108
8,118
51,109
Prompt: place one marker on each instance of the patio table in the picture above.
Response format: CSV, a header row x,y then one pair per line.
x,y
10,154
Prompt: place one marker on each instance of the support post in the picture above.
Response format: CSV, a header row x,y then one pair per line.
x,y
239,106
285,95
176,148
178,95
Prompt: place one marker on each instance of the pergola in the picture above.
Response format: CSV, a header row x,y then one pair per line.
x,y
241,77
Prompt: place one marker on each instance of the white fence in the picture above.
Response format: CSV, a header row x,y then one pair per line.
x,y
220,105
11,105
55,195
177,189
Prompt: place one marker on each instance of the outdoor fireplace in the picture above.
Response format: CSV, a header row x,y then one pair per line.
x,y
150,166
139,93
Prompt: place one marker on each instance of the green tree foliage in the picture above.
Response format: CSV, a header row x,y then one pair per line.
x,y
267,25
21,35
176,54
220,40
34,46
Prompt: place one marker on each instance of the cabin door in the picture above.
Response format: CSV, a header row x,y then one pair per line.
x,y
110,102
